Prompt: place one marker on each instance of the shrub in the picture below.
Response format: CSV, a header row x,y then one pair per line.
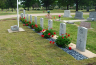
x,y
38,28
63,41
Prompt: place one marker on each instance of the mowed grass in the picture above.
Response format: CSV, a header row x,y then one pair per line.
x,y
29,48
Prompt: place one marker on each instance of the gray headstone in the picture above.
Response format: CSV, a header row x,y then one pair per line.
x,y
35,19
81,38
67,13
31,18
15,28
50,24
92,16
41,22
21,15
62,29
79,15
27,17
24,12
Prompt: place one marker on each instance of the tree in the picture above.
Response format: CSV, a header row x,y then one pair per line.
x,y
46,3
2,4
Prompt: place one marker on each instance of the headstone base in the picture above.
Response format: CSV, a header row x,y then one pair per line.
x,y
78,18
67,16
15,28
91,19
20,29
87,53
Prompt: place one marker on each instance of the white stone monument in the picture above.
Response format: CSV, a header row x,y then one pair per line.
x,y
31,18
67,13
21,15
81,39
50,24
35,19
92,16
41,22
79,15
62,29
15,28
24,12
27,17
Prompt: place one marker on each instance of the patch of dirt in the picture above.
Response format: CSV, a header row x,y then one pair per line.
x,y
94,63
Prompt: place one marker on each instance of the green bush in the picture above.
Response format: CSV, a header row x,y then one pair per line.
x,y
38,28
63,41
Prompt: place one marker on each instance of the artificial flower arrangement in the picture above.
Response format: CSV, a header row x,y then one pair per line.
x,y
48,33
63,41
59,17
48,12
32,25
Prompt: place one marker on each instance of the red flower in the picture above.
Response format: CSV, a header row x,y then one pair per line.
x,y
53,42
50,42
68,35
26,24
32,25
62,34
29,22
25,20
62,37
35,25
49,33
43,29
24,17
23,24
42,35
20,17
54,33
70,48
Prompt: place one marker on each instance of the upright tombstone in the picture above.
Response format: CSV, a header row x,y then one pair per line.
x,y
62,29
81,38
41,22
67,13
24,12
50,24
21,15
35,19
79,15
27,17
92,16
31,18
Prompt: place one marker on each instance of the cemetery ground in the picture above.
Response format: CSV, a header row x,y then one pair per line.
x,y
29,48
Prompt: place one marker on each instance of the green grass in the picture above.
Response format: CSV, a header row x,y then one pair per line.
x,y
29,48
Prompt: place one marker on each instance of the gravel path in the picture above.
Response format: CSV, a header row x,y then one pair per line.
x,y
41,14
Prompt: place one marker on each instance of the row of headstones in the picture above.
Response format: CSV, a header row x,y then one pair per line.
x,y
81,36
79,15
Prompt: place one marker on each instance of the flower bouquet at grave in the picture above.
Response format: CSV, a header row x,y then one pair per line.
x,y
48,12
63,41
48,33
59,17
32,25
38,28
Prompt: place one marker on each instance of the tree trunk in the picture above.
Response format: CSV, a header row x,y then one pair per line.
x,y
76,5
67,7
95,7
28,8
87,8
12,9
46,7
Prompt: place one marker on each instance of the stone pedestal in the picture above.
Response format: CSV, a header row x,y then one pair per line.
x,y
15,28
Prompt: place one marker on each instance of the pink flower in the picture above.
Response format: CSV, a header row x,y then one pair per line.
x,y
59,15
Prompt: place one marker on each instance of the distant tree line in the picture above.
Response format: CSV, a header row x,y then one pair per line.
x,y
6,4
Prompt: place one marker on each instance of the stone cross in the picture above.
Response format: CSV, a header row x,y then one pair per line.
x,y
50,24
27,17
62,29
31,18
41,22
35,19
24,12
81,39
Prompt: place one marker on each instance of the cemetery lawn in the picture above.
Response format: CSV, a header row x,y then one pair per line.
x,y
29,48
